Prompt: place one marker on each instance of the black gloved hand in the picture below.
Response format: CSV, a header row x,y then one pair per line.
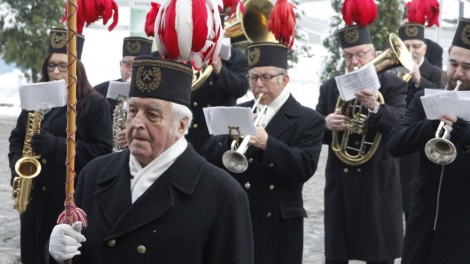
x,y
44,143
460,132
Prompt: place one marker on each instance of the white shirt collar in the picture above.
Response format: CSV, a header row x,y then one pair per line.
x,y
274,106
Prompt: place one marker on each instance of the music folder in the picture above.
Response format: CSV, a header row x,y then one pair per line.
x,y
220,118
116,89
34,96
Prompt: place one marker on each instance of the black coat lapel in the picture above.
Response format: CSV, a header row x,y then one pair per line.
x,y
426,69
51,115
159,197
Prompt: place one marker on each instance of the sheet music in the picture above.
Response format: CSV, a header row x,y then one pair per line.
x,y
363,79
225,49
439,102
49,94
116,89
219,118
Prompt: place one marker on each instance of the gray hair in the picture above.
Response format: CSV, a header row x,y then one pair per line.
x,y
180,112
279,78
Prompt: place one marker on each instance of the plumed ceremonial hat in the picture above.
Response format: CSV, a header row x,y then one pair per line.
x,y
136,46
462,34
58,42
361,12
420,13
161,79
267,54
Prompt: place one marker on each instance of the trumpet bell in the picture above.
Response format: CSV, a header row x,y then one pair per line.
x,y
28,167
440,151
234,161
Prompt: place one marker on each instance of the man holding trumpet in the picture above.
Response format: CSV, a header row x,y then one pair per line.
x,y
438,230
281,157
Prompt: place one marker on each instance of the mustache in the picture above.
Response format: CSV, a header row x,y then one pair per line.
x,y
138,136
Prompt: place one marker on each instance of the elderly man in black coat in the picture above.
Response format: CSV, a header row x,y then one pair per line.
x,y
223,87
281,158
363,211
424,75
438,230
158,200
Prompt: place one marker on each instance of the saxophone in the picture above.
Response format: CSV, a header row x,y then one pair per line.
x,y
119,122
28,166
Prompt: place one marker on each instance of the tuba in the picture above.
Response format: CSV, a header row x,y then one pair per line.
x,y
439,149
356,122
28,167
234,159
200,77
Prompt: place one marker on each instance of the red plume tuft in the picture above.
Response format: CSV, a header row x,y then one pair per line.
x,y
234,4
282,22
150,21
363,12
90,11
423,12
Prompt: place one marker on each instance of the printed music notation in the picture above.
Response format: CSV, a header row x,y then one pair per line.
x,y
439,102
34,95
220,118
363,79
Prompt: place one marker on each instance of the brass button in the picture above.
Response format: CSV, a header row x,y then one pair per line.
x,y
208,105
195,126
346,170
268,215
44,188
357,143
195,104
141,249
247,185
250,160
358,170
271,187
44,161
271,165
211,83
220,144
111,243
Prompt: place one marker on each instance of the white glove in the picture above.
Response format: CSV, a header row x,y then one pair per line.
x,y
64,241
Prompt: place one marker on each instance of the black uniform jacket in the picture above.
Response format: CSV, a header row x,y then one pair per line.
x,y
102,88
363,208
194,213
275,177
223,90
93,139
430,78
449,240
433,53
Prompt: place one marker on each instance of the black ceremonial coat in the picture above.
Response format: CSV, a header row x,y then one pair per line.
x,y
430,78
93,139
194,213
275,177
102,88
223,90
363,208
433,53
449,240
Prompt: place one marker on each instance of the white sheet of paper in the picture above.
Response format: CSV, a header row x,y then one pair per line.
x,y
225,51
35,95
219,118
116,89
363,79
438,102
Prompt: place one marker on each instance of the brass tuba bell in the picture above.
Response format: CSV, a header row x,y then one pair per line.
x,y
396,55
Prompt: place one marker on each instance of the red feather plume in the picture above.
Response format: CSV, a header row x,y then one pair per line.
x,y
150,20
90,11
363,12
423,12
282,22
233,6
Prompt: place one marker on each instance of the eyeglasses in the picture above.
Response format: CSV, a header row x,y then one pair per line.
x,y
348,56
415,46
127,63
62,67
264,77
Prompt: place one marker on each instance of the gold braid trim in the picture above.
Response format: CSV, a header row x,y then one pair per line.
x,y
163,64
267,44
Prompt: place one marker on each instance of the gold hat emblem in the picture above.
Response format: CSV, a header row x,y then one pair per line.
x,y
465,35
253,56
351,36
58,40
148,79
411,31
133,47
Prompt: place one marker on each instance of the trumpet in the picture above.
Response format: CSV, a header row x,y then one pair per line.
x,y
234,159
439,149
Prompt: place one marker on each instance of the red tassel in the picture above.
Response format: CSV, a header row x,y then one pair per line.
x,y
282,22
77,215
425,12
89,11
200,29
363,12
150,20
